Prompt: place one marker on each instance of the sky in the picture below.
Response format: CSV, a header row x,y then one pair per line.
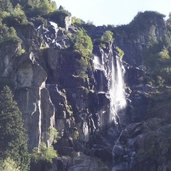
x,y
112,12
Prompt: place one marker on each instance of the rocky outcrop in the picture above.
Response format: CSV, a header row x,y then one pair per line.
x,y
77,162
27,79
55,87
146,30
31,95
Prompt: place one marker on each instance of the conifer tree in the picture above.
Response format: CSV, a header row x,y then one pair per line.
x,y
13,138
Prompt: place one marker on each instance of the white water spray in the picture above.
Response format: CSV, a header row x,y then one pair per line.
x,y
117,89
113,71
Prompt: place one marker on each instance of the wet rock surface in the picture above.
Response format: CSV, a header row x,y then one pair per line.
x,y
51,91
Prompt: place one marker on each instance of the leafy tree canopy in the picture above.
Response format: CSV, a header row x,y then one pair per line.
x,y
44,153
83,43
107,37
8,165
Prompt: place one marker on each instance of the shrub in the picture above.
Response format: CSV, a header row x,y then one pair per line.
x,y
7,33
47,6
77,21
120,52
53,134
164,54
19,14
4,14
83,44
42,7
20,51
44,153
8,165
107,37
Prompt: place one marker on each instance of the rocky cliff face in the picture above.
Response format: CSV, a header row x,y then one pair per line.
x,y
27,78
142,140
86,102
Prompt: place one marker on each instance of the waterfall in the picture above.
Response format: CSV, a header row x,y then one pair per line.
x,y
116,89
50,34
97,63
111,72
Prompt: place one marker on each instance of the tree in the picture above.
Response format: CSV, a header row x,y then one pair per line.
x,y
44,153
19,13
83,43
8,165
13,138
43,6
107,37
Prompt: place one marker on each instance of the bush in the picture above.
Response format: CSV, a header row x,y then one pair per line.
x,y
83,44
7,33
120,52
42,7
77,21
4,14
19,14
107,37
53,134
164,54
44,153
8,165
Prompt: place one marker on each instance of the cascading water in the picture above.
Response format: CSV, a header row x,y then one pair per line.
x,y
113,72
116,89
50,34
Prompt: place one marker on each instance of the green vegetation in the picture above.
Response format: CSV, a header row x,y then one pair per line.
x,y
4,14
17,8
107,37
45,5
77,21
41,7
83,44
8,165
16,13
7,33
20,51
53,134
44,153
120,52
158,62
164,54
143,20
19,14
13,138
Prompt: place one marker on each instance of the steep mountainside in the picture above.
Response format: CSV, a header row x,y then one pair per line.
x,y
111,107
